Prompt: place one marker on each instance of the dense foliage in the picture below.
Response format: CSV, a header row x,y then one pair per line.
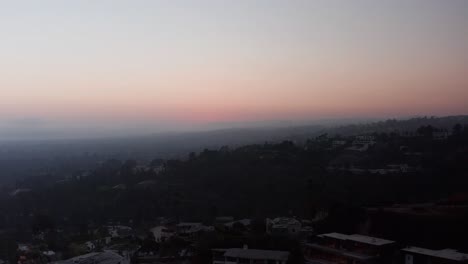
x,y
253,181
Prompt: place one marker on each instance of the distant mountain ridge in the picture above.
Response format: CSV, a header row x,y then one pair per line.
x,y
27,158
395,125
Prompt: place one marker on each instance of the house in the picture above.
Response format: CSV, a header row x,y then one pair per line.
x,y
307,228
345,249
158,169
403,168
232,225
179,255
416,255
364,139
161,233
186,227
440,135
146,184
338,143
105,257
90,246
220,220
392,168
119,187
283,226
362,143
245,255
30,254
50,255
24,247
407,134
20,191
140,169
190,231
119,231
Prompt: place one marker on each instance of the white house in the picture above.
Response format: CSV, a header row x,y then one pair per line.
x,y
161,233
283,226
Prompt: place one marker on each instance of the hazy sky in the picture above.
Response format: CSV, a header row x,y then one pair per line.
x,y
109,64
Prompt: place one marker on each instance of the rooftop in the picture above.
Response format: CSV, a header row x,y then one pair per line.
x,y
256,254
245,222
370,240
359,238
342,252
224,219
284,221
188,224
448,253
335,235
106,257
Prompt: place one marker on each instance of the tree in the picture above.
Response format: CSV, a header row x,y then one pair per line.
x,y
426,131
457,129
238,226
42,222
157,162
258,226
129,165
149,244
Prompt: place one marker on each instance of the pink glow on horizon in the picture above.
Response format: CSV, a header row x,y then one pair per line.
x,y
232,62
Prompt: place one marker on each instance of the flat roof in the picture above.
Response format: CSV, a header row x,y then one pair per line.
x,y
359,238
189,224
448,253
106,257
341,252
245,222
335,235
370,240
256,254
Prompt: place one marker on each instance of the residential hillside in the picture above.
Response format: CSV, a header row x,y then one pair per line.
x,y
24,159
339,176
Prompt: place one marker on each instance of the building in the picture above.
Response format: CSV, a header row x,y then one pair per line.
x,y
440,135
220,220
407,134
119,231
365,139
349,249
249,256
187,227
338,143
392,168
49,255
416,255
362,143
161,233
105,257
283,226
191,231
90,246
245,223
140,169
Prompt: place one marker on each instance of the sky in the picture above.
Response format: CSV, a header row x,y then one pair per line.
x,y
107,66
